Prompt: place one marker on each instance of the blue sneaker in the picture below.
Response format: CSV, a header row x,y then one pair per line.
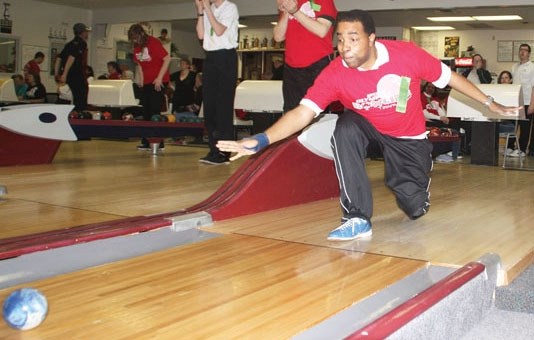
x,y
353,228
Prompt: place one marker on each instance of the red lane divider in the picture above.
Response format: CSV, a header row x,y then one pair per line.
x,y
409,310
282,175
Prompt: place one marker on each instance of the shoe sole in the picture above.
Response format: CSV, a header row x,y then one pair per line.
x,y
362,235
212,163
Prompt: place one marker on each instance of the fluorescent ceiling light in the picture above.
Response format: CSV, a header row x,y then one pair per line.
x,y
497,17
440,19
476,18
274,23
242,26
433,28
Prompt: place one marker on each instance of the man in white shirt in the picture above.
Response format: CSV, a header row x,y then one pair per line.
x,y
523,73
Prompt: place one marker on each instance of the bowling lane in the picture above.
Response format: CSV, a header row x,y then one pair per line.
x,y
228,287
101,180
474,210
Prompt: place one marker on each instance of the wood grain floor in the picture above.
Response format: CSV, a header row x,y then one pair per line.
x,y
231,287
272,274
475,209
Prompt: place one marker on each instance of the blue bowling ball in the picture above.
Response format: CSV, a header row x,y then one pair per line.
x,y
25,308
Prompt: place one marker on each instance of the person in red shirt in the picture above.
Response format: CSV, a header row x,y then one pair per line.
x,y
379,84
114,71
306,27
32,66
152,65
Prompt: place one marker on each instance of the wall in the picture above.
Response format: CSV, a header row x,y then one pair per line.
x,y
484,42
32,21
268,7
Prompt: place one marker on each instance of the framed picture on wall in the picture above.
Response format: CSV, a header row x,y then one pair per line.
x,y
505,50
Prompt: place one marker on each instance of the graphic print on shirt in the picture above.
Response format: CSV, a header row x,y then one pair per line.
x,y
143,55
307,9
387,95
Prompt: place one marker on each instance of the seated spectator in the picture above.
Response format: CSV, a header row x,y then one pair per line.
x,y
507,126
126,72
114,71
278,68
193,109
505,77
478,73
36,92
436,116
89,73
183,82
20,86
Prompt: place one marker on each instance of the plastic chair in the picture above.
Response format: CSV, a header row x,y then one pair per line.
x,y
508,136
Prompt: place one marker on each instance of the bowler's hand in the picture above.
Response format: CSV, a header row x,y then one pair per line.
x,y
507,111
240,148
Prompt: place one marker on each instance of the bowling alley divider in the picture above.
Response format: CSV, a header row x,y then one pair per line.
x,y
284,174
20,149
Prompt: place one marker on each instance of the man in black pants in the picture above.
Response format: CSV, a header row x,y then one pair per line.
x,y
71,65
217,27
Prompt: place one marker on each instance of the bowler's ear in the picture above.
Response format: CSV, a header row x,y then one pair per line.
x,y
372,38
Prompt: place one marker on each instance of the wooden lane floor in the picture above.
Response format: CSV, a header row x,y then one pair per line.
x,y
229,287
474,210
100,180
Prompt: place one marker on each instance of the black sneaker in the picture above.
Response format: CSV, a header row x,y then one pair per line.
x,y
205,158
143,147
215,159
162,146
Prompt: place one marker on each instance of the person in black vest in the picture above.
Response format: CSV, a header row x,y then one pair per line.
x,y
71,66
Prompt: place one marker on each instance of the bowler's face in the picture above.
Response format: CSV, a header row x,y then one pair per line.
x,y
524,54
354,45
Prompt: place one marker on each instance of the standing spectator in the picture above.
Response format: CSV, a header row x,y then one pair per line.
x,y
217,27
380,82
478,73
184,83
32,66
71,66
152,64
20,86
523,74
306,26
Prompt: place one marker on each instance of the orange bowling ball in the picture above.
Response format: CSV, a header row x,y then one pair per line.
x,y
106,115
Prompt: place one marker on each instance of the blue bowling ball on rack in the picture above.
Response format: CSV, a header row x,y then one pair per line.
x,y
25,308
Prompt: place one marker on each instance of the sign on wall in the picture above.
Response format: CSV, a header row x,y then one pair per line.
x,y
507,50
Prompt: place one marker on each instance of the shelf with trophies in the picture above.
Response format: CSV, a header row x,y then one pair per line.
x,y
256,57
6,24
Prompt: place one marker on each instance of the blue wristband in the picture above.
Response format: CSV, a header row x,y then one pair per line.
x,y
262,140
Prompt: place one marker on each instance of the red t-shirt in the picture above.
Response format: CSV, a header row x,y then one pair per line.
x,y
150,58
32,67
374,93
304,48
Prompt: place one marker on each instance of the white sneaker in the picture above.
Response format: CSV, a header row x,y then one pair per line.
x,y
444,158
508,152
517,153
